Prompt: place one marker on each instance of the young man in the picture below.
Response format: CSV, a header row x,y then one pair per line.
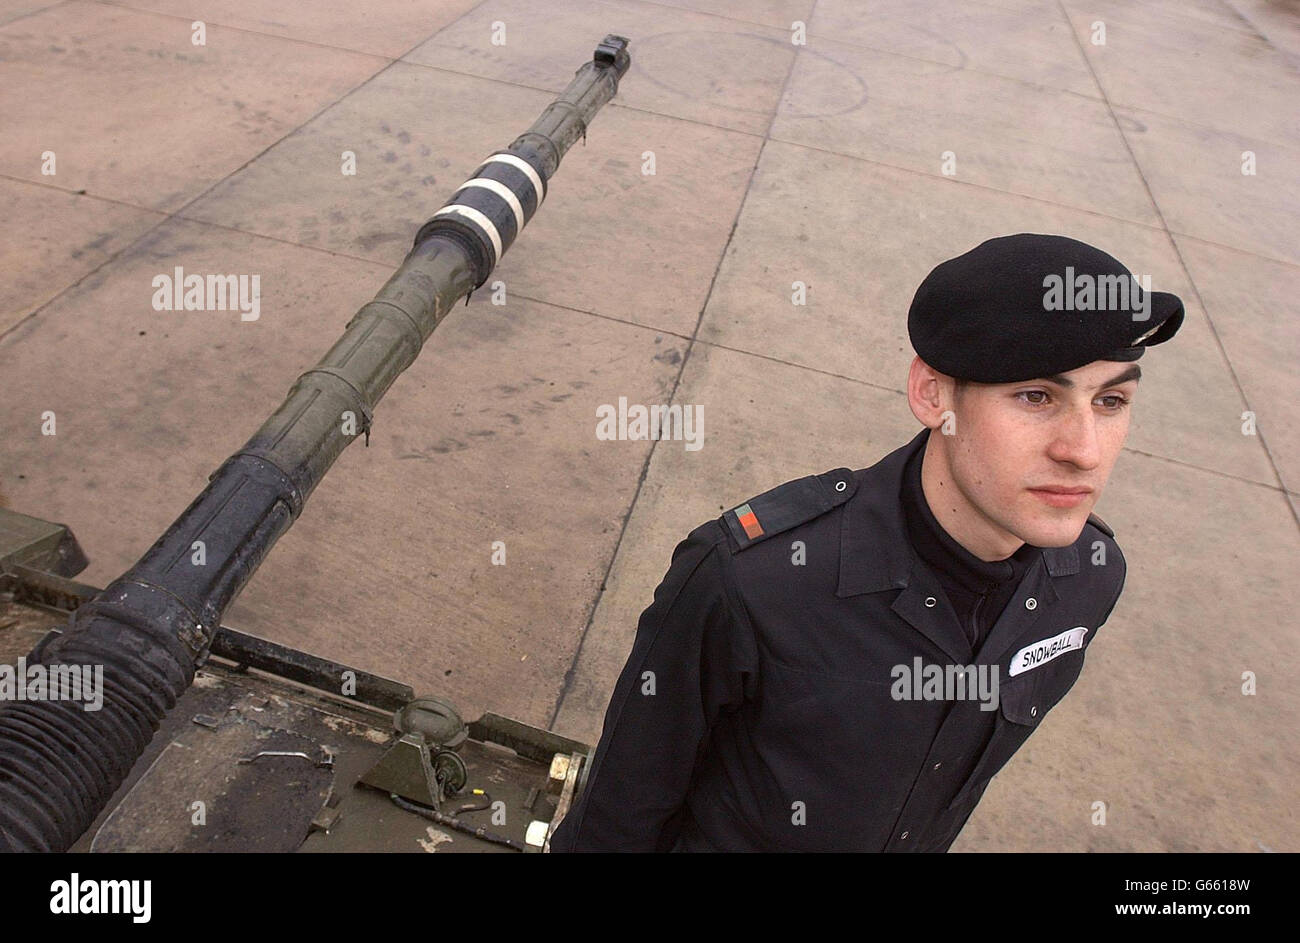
x,y
844,662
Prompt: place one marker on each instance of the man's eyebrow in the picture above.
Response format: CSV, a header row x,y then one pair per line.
x,y
1132,373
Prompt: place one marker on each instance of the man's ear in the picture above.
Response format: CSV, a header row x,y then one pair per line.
x,y
928,393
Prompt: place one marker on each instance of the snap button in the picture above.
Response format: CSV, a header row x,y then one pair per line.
x,y
1033,712
930,601
903,837
841,485
1031,603
937,765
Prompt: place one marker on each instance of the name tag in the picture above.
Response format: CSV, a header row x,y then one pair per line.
x,y
1043,651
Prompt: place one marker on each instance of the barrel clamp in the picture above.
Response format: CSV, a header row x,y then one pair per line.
x,y
363,407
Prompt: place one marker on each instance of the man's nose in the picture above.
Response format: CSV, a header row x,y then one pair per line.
x,y
1076,439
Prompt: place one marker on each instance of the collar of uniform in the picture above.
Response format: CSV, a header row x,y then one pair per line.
x,y
875,553
956,566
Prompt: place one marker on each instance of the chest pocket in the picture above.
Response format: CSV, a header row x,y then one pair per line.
x,y
1023,702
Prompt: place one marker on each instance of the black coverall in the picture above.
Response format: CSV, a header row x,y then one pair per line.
x,y
760,707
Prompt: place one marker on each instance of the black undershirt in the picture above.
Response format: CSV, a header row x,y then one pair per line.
x,y
977,589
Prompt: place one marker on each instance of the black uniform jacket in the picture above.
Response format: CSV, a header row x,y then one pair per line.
x,y
762,707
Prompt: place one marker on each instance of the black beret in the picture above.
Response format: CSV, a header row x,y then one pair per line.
x,y
1032,305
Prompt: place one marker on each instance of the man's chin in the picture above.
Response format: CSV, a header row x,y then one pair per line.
x,y
1057,533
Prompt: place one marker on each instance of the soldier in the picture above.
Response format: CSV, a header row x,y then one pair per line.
x,y
844,662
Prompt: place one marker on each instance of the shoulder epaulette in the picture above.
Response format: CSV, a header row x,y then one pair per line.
x,y
1101,525
789,505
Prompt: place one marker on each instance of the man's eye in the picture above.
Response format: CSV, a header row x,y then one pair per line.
x,y
1033,402
1118,401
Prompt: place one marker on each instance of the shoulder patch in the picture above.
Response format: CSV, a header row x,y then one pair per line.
x,y
1101,525
788,505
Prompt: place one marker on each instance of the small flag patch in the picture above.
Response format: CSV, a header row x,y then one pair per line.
x,y
748,521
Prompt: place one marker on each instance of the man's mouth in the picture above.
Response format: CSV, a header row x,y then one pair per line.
x,y
1061,496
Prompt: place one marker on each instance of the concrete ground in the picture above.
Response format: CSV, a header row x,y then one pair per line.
x,y
775,163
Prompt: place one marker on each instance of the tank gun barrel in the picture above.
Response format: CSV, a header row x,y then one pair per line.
x,y
151,627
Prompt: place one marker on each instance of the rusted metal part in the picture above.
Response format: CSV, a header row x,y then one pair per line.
x,y
559,773
525,739
35,587
325,760
312,670
42,545
568,793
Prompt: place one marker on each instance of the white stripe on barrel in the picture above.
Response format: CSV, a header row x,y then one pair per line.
x,y
479,220
501,190
519,164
